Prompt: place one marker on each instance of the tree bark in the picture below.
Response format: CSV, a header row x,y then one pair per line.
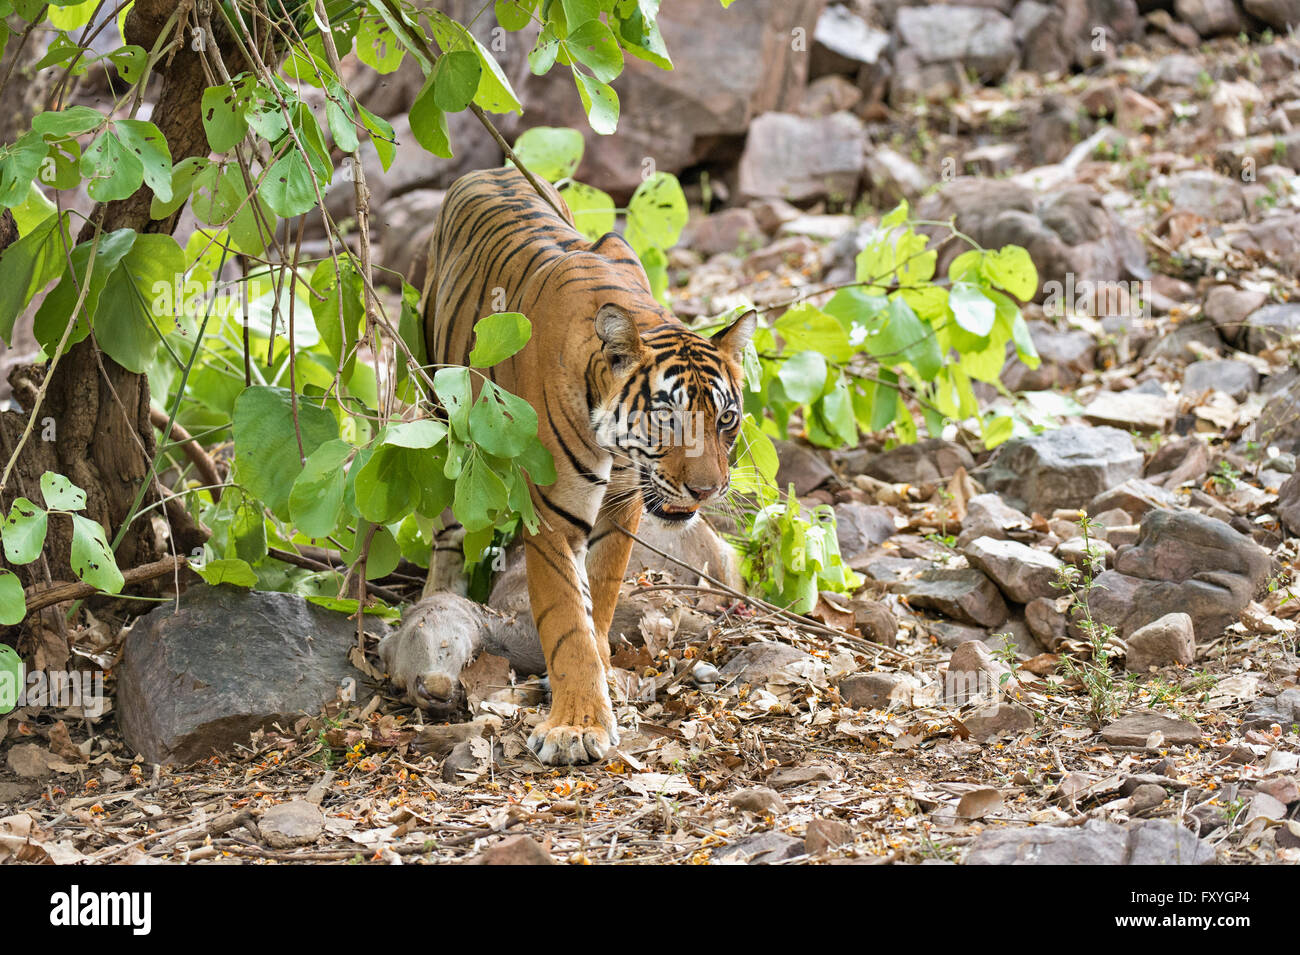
x,y
94,426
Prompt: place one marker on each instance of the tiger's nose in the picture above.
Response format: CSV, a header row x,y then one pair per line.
x,y
700,493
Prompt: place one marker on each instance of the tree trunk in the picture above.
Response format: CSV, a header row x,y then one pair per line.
x,y
94,425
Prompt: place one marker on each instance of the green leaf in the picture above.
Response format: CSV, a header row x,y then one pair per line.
x,y
183,176
998,430
56,311
480,495
24,532
377,47
381,136
497,337
452,387
514,15
338,113
429,122
72,16
455,80
388,486
57,124
599,102
905,338
288,187
316,499
542,56
19,164
61,494
421,434
137,305
803,376
113,169
1012,268
13,603
972,309
266,444
501,423
130,61
551,152
592,209
494,91
28,266
225,113
229,570
92,559
594,46
338,310
656,213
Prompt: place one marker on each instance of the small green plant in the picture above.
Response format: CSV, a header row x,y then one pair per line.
x,y
1231,810
1008,653
789,557
1094,672
1225,477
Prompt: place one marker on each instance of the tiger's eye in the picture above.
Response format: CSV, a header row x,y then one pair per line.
x,y
727,420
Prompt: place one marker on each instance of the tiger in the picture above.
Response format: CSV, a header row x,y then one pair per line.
x,y
639,413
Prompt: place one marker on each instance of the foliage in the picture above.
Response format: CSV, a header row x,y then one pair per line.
x,y
791,556
23,539
342,435
655,215
896,332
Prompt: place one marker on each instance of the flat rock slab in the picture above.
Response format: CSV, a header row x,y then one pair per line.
x,y
517,850
965,594
290,824
1147,842
761,663
1022,572
1065,468
199,679
764,848
1136,728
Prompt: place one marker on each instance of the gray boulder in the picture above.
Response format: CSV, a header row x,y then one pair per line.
x,y
1183,562
1146,842
983,41
802,158
1065,468
199,678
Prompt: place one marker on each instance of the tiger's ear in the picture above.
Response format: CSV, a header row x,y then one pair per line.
x,y
620,337
731,341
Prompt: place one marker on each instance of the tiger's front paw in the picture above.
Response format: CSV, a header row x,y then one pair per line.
x,y
575,734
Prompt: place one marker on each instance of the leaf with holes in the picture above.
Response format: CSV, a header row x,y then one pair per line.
x,y
24,532
92,558
599,102
593,210
657,213
501,423
61,494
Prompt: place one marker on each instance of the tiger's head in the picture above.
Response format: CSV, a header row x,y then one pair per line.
x,y
674,410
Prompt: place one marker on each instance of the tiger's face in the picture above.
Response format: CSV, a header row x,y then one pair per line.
x,y
675,411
